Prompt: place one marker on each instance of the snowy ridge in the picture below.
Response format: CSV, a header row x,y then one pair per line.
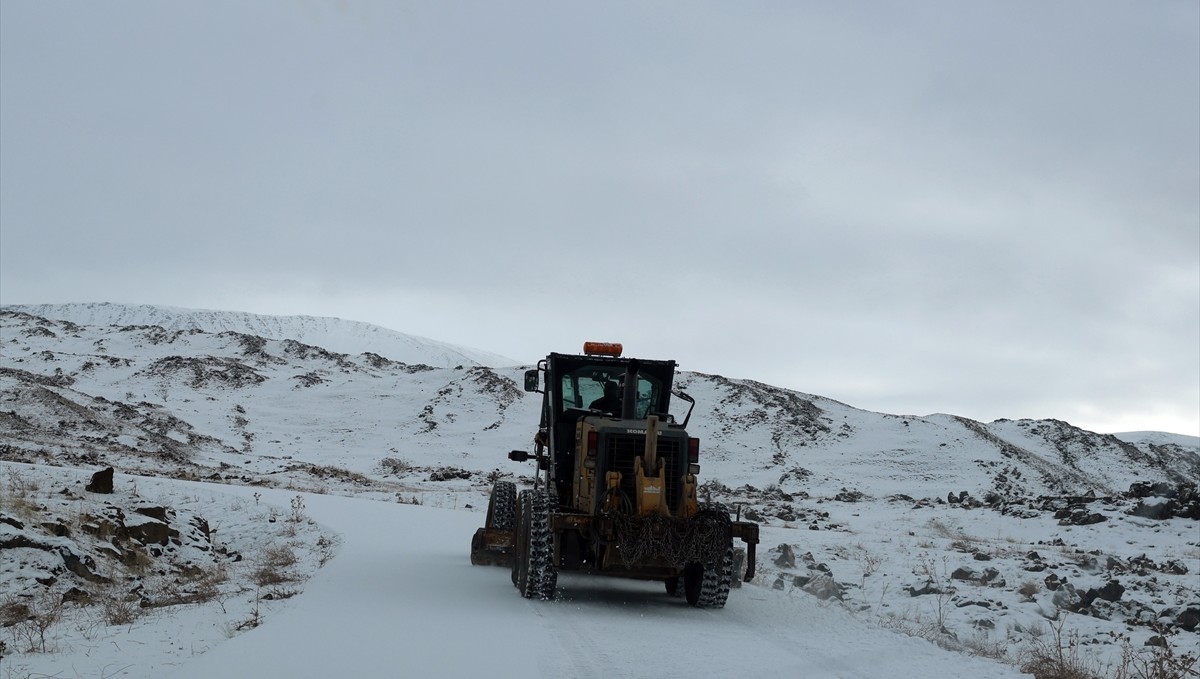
x,y
1159,438
335,334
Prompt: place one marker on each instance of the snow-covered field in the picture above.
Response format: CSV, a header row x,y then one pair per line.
x,y
137,602
932,546
401,599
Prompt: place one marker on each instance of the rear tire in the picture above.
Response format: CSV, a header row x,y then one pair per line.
x,y
714,588
520,563
673,588
502,506
541,548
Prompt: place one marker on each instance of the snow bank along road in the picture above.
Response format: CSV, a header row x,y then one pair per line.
x,y
402,600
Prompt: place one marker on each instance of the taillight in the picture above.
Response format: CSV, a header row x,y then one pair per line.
x,y
593,442
693,451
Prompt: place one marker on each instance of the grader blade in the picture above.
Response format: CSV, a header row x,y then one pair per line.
x,y
492,547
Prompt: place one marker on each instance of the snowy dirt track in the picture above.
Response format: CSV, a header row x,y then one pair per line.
x,y
401,599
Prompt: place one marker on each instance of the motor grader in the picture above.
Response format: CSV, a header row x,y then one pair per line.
x,y
615,493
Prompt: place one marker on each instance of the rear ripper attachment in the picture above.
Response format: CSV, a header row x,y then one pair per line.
x,y
615,492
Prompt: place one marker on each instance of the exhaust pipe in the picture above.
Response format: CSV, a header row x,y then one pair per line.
x,y
629,397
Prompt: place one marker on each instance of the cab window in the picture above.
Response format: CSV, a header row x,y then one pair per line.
x,y
584,386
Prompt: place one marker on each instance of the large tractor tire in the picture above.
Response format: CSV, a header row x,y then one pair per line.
x,y
541,547
502,506
714,586
520,563
674,586
534,571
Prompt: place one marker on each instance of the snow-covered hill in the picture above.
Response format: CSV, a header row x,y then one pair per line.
x,y
993,531
215,393
334,334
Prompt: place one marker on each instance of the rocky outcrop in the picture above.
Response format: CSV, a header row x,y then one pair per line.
x,y
1162,501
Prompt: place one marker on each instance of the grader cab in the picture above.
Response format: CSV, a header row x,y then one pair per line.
x,y
615,493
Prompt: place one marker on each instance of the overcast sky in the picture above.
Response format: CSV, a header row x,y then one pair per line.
x,y
990,209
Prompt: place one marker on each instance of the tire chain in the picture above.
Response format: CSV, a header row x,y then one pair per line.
x,y
704,539
504,505
543,575
714,589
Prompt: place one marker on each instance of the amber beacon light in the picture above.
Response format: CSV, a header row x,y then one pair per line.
x,y
602,348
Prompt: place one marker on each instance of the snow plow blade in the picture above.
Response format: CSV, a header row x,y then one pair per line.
x,y
492,547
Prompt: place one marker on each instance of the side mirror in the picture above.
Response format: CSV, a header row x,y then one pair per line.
x,y
531,380
519,456
692,404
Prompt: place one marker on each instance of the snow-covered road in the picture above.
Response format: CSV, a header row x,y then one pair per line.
x,y
402,600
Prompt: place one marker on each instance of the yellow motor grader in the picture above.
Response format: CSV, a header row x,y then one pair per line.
x,y
615,492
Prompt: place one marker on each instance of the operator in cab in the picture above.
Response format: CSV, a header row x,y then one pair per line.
x,y
611,401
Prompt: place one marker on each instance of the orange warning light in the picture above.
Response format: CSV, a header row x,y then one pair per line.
x,y
602,348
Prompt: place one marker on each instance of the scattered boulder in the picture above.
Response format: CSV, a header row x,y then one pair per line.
x,y
1078,517
1067,598
964,574
1035,563
201,524
786,558
922,588
153,512
102,482
149,532
1111,591
991,578
57,529
83,566
76,595
811,562
1156,508
846,495
1142,489
823,587
1189,618
449,474
1144,565
786,513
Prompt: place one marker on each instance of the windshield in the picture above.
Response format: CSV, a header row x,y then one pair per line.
x,y
586,388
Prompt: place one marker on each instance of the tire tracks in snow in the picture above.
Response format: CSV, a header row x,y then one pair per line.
x,y
586,658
